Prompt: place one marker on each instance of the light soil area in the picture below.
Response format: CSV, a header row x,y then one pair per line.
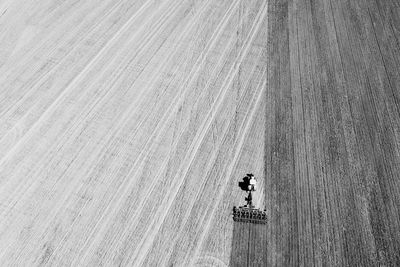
x,y
125,127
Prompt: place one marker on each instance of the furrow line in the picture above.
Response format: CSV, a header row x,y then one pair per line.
x,y
211,161
24,194
34,52
74,82
76,127
34,86
162,214
240,135
168,114
239,146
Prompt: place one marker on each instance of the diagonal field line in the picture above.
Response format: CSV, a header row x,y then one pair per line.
x,y
230,168
168,114
159,173
75,81
90,109
126,116
161,217
214,155
28,56
41,77
188,28
39,83
159,126
38,170
255,98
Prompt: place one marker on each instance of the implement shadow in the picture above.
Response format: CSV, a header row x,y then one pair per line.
x,y
248,244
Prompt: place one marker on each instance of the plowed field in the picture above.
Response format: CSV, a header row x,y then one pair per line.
x,y
126,125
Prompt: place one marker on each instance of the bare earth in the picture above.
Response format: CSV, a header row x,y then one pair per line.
x,y
125,127
332,153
